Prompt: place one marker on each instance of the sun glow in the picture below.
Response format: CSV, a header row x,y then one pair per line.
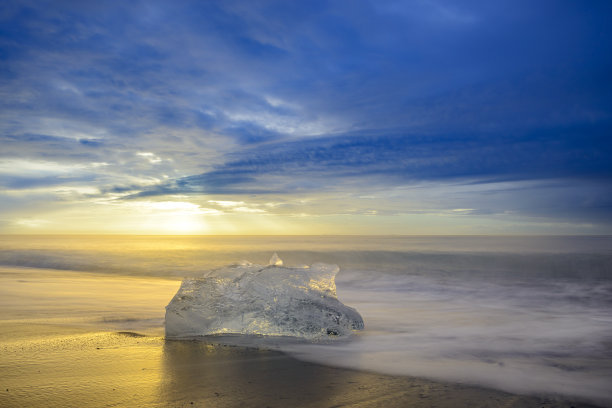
x,y
174,217
179,223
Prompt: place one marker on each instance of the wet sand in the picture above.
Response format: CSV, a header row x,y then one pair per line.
x,y
61,345
127,369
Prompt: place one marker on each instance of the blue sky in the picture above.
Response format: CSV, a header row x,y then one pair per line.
x,y
400,117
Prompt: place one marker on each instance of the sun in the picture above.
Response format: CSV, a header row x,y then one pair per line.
x,y
181,223
172,217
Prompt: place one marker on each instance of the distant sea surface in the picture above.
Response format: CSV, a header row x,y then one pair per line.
x,y
521,314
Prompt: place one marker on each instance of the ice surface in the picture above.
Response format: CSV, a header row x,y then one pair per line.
x,y
270,300
275,260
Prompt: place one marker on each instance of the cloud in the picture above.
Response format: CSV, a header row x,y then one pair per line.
x,y
295,100
396,159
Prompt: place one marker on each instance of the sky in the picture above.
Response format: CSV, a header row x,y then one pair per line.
x,y
306,117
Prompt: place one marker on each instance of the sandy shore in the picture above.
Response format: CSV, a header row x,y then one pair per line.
x,y
125,369
62,345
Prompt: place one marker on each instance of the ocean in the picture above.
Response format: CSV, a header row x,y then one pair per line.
x,y
528,314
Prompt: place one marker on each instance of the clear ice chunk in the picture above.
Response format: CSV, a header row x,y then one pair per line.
x,y
275,260
270,300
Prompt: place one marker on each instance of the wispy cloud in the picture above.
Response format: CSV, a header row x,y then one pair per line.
x,y
279,102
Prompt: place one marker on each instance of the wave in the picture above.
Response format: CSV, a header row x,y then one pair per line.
x,y
495,312
535,336
370,263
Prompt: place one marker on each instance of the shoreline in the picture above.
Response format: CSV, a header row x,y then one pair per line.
x,y
73,339
130,369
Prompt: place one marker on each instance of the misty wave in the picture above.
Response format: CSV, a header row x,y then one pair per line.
x,y
370,263
540,337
